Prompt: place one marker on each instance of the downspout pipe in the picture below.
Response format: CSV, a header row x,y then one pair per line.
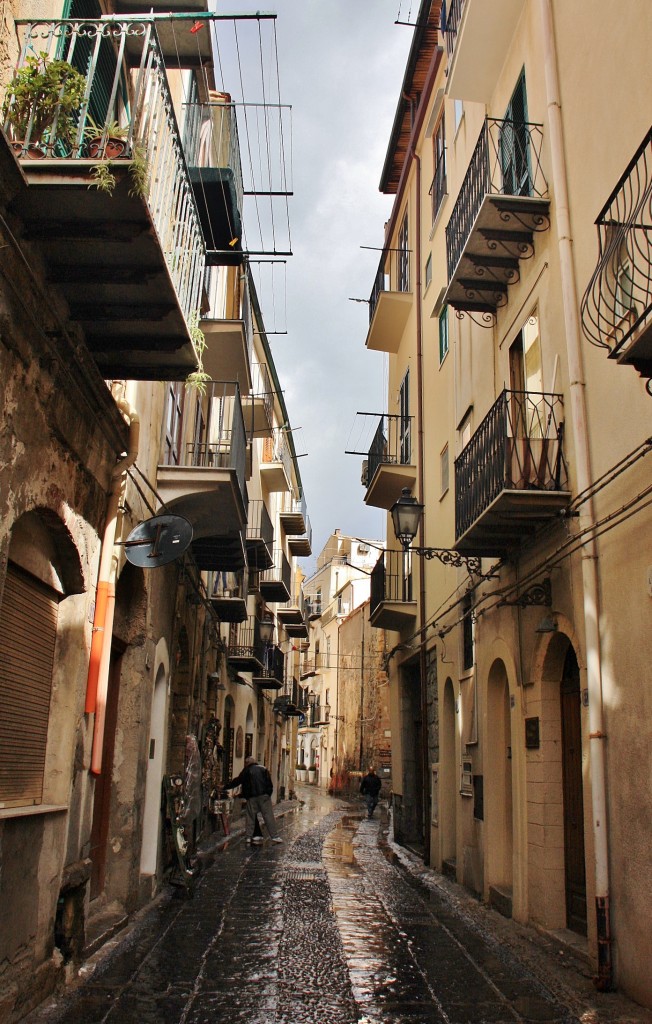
x,y
98,667
604,979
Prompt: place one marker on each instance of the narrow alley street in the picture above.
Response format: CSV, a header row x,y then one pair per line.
x,y
328,928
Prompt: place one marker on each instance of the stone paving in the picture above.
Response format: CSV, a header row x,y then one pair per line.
x,y
335,926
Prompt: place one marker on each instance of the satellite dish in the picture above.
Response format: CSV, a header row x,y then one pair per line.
x,y
158,541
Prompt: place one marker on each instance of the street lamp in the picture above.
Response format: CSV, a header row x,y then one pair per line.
x,y
406,517
266,630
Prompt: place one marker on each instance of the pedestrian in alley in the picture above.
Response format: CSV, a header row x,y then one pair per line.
x,y
370,788
257,788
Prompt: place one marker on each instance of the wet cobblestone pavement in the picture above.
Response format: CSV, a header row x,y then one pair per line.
x,y
326,929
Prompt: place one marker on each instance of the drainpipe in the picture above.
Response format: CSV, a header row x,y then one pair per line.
x,y
604,979
98,668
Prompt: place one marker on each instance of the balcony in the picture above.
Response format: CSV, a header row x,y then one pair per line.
x,y
173,19
315,715
245,651
259,404
501,205
617,305
389,308
392,604
260,536
276,462
275,583
511,476
293,618
389,465
129,262
478,37
313,607
296,524
271,678
207,486
228,595
226,356
213,156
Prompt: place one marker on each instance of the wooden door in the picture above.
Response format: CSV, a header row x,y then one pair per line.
x,y
571,734
102,798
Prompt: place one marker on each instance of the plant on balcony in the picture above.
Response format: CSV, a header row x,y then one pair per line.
x,y
139,173
114,135
103,178
41,102
198,379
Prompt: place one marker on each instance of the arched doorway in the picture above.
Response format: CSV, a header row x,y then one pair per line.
x,y
152,812
499,847
448,776
229,739
571,744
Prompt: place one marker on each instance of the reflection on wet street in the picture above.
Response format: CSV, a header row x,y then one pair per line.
x,y
325,929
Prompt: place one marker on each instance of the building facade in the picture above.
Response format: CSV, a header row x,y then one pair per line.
x,y
152,506
517,436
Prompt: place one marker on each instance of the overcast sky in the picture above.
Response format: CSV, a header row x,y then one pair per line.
x,y
340,66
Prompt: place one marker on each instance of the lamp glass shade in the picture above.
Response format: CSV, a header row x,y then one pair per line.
x,y
406,516
266,630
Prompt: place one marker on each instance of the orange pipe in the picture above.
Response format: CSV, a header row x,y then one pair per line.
x,y
96,645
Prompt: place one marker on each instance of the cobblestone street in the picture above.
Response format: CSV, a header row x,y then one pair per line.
x,y
335,926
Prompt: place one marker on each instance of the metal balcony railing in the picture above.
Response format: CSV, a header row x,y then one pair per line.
x,y
243,641
518,446
280,572
211,139
273,664
391,579
392,275
276,449
262,388
391,444
223,443
618,299
142,104
506,162
259,523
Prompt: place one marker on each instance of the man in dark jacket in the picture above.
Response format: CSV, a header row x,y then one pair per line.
x,y
370,788
257,787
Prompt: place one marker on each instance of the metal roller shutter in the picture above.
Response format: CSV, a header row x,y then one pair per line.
x,y
28,629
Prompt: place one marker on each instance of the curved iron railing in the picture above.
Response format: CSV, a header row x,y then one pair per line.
x,y
618,298
391,579
506,161
518,446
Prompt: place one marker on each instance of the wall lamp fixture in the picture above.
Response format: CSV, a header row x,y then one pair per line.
x,y
406,517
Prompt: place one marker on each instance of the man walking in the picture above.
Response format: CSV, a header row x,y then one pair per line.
x,y
257,787
370,788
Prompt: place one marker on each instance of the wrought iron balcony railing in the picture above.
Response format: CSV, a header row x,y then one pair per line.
x,y
517,447
392,275
391,444
223,443
391,579
276,449
259,524
142,104
211,139
617,304
506,162
451,15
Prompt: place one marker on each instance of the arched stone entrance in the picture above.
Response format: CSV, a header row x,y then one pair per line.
x,y
448,781
498,790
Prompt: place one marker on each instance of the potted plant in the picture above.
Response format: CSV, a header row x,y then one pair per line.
x,y
312,774
301,772
105,141
40,104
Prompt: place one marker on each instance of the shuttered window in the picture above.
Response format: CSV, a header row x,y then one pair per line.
x,y
28,628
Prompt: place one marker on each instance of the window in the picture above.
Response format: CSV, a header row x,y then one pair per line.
x,y
404,422
428,273
514,144
444,471
173,423
459,113
403,257
464,431
443,334
438,188
467,634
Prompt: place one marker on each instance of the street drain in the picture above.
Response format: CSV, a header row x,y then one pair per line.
x,y
305,872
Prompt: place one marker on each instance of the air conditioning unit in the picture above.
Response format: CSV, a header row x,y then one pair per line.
x,y
364,476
